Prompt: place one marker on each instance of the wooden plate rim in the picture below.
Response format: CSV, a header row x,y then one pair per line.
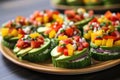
x,y
53,70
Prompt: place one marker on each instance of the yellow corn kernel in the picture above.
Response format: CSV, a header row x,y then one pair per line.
x,y
39,19
109,43
4,31
14,32
52,34
104,42
98,42
70,49
62,37
34,35
45,19
117,43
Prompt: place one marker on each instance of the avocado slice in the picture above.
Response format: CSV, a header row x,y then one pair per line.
x,y
54,52
42,29
23,52
67,58
16,49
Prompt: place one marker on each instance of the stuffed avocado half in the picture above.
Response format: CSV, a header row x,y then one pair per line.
x,y
71,53
33,47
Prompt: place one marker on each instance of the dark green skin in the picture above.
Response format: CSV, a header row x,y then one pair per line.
x,y
72,65
8,44
103,57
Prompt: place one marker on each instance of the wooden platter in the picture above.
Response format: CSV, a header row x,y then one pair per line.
x,y
47,66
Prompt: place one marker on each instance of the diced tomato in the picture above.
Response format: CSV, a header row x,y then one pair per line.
x,y
118,15
109,37
113,18
116,34
40,39
67,41
108,14
80,47
22,44
85,44
60,49
56,12
35,44
105,28
94,20
20,31
69,31
70,13
65,52
77,17
91,12
76,38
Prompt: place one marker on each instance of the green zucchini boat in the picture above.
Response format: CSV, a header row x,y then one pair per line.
x,y
33,48
71,53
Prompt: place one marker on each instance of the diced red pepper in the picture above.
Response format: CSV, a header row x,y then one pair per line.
x,y
65,52
85,44
116,34
76,38
109,37
69,31
20,31
70,13
35,44
60,49
22,44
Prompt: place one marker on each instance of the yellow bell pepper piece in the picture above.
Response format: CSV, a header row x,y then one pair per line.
x,y
14,32
52,34
88,35
39,19
4,31
109,43
117,43
47,24
112,28
93,36
20,36
70,49
98,42
100,33
104,42
62,37
45,19
34,35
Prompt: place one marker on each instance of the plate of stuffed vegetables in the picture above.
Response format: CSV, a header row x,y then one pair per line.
x,y
76,42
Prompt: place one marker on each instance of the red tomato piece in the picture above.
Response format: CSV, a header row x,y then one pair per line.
x,y
22,44
85,44
80,47
69,31
76,38
60,49
20,31
116,34
109,37
70,13
35,44
65,52
68,41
